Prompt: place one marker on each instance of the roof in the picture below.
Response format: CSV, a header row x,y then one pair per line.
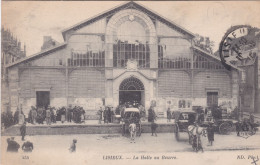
x,y
132,110
214,57
40,54
124,6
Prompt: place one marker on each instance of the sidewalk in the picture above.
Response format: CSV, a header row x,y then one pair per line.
x,y
96,122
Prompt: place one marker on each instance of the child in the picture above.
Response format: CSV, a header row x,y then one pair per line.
x,y
73,146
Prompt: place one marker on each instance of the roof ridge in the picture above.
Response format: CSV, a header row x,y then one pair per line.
x,y
35,55
125,4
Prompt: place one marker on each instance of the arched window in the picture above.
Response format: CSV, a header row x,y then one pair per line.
x,y
131,43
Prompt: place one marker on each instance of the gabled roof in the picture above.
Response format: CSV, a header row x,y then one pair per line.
x,y
133,5
37,55
214,57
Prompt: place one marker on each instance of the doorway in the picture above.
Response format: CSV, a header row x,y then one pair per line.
x,y
43,99
212,99
131,92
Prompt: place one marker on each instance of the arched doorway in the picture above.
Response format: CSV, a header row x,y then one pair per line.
x,y
131,92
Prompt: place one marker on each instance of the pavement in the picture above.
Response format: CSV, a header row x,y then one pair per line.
x,y
96,122
92,148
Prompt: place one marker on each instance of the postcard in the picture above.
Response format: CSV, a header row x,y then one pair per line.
x,y
130,82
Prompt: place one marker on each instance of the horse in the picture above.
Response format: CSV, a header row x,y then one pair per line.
x,y
132,130
194,133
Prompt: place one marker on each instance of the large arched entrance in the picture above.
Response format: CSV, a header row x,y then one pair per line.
x,y
131,92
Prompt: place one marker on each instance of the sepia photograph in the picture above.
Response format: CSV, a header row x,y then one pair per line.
x,y
130,82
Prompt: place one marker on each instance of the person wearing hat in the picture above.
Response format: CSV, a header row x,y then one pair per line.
x,y
34,114
23,130
27,146
210,131
12,146
48,116
73,146
169,115
16,116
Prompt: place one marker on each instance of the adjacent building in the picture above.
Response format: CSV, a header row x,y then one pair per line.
x,y
11,51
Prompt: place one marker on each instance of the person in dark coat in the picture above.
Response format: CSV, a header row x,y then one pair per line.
x,y
169,115
151,115
27,146
100,113
153,128
70,113
12,146
238,128
23,130
210,131
16,116
106,115
109,115
40,116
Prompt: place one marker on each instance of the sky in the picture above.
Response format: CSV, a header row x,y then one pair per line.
x,y
31,20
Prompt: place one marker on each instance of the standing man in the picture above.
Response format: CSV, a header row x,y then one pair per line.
x,y
48,116
23,130
21,117
151,114
106,115
210,131
169,115
100,112
69,113
153,128
53,115
34,115
112,115
16,116
109,115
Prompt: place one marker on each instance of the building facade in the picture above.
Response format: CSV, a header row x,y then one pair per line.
x,y
11,51
128,53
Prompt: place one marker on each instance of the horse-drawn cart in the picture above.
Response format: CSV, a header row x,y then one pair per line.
x,y
182,120
131,115
223,123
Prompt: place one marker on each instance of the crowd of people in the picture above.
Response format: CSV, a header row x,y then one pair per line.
x,y
108,114
39,115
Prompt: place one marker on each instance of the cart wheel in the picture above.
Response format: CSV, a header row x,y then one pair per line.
x,y
177,134
225,128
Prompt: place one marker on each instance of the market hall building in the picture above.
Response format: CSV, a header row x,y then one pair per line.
x,y
128,53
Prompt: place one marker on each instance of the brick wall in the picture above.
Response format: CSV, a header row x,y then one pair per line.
x,y
87,83
13,88
32,80
212,80
174,84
